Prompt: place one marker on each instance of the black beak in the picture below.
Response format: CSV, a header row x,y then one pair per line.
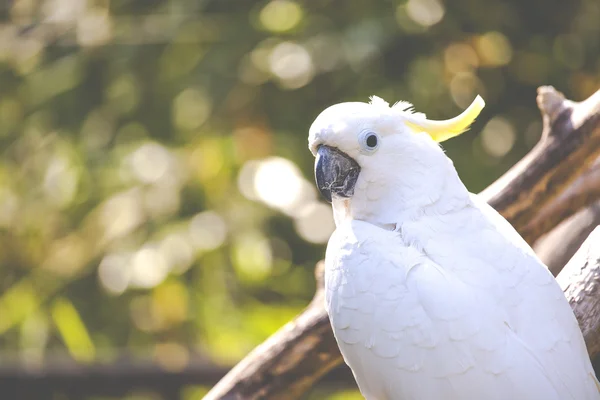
x,y
335,172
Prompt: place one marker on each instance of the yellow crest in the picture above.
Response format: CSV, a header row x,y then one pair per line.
x,y
444,130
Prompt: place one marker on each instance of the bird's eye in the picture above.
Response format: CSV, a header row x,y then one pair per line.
x,y
369,141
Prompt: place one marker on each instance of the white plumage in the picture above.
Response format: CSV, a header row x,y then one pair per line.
x,y
430,292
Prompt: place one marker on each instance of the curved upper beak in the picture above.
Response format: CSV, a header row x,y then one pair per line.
x,y
335,172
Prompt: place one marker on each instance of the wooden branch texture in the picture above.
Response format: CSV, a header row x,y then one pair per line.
x,y
580,280
584,191
296,356
557,247
570,143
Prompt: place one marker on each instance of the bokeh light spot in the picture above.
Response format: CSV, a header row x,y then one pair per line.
x,y
148,267
94,28
246,180
63,11
171,356
170,304
252,257
498,137
162,198
121,214
494,49
425,12
178,251
191,108
292,64
279,184
280,15
315,223
113,273
464,87
150,162
207,231
460,57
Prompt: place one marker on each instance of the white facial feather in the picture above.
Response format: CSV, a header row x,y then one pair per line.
x,y
400,107
378,102
400,117
407,172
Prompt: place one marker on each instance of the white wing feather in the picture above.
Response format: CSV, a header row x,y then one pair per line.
x,y
424,314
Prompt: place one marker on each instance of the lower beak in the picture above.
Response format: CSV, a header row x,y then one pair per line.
x,y
335,172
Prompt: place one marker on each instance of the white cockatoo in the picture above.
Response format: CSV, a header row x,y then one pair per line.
x,y
432,295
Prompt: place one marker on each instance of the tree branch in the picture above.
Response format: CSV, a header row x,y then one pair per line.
x,y
584,191
580,280
570,143
559,245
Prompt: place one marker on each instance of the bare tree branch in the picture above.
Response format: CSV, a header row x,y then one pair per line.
x,y
559,245
570,143
584,191
580,280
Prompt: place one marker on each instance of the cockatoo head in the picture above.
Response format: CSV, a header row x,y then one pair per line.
x,y
375,162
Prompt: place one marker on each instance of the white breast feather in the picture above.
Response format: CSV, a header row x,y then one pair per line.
x,y
468,317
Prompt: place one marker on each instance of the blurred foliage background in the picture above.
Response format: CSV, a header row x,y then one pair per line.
x,y
156,191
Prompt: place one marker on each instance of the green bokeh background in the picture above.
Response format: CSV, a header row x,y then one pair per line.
x,y
156,191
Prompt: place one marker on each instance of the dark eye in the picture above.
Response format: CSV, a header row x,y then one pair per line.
x,y
372,140
369,141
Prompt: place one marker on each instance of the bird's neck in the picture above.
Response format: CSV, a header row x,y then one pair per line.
x,y
401,203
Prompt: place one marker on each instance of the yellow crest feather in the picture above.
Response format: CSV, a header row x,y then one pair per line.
x,y
444,130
